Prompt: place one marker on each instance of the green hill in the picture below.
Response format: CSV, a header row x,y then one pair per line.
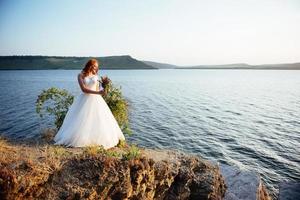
x,y
60,62
160,65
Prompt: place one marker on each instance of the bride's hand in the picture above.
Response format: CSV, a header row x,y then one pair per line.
x,y
101,92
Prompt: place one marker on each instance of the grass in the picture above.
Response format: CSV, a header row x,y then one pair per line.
x,y
53,153
132,153
112,153
122,151
57,151
121,144
93,150
36,162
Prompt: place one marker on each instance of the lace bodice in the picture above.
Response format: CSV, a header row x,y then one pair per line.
x,y
91,82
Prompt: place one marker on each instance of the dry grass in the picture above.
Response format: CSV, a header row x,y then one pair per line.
x,y
46,156
42,170
3,142
93,150
30,165
48,134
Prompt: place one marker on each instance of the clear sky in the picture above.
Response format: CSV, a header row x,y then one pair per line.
x,y
186,32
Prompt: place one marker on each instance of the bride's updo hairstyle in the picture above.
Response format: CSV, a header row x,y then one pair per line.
x,y
89,67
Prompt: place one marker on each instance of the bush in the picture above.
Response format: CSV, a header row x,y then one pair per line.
x,y
117,104
54,101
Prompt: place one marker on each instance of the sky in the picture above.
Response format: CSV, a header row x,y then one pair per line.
x,y
180,32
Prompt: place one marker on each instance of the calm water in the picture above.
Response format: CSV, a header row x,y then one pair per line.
x,y
250,119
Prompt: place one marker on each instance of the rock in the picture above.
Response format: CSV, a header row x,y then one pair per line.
x,y
289,190
69,174
245,185
190,176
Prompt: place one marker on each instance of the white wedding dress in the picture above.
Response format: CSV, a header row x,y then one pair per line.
x,y
89,121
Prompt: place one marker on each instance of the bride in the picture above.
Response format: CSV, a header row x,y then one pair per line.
x,y
89,121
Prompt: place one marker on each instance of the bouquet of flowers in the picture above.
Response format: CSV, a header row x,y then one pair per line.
x,y
104,82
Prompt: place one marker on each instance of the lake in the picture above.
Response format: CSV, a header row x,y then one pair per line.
x,y
245,118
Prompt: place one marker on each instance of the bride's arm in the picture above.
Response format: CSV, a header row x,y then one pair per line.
x,y
84,89
102,92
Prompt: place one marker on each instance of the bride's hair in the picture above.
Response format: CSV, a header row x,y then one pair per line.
x,y
89,66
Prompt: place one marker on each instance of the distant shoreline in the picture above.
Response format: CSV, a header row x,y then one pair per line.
x,y
234,66
74,69
282,69
240,68
122,62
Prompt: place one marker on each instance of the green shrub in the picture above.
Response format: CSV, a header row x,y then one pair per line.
x,y
54,101
132,153
118,105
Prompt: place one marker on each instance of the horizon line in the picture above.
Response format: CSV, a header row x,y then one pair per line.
x,y
242,63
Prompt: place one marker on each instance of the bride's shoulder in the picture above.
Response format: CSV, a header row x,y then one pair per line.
x,y
80,74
